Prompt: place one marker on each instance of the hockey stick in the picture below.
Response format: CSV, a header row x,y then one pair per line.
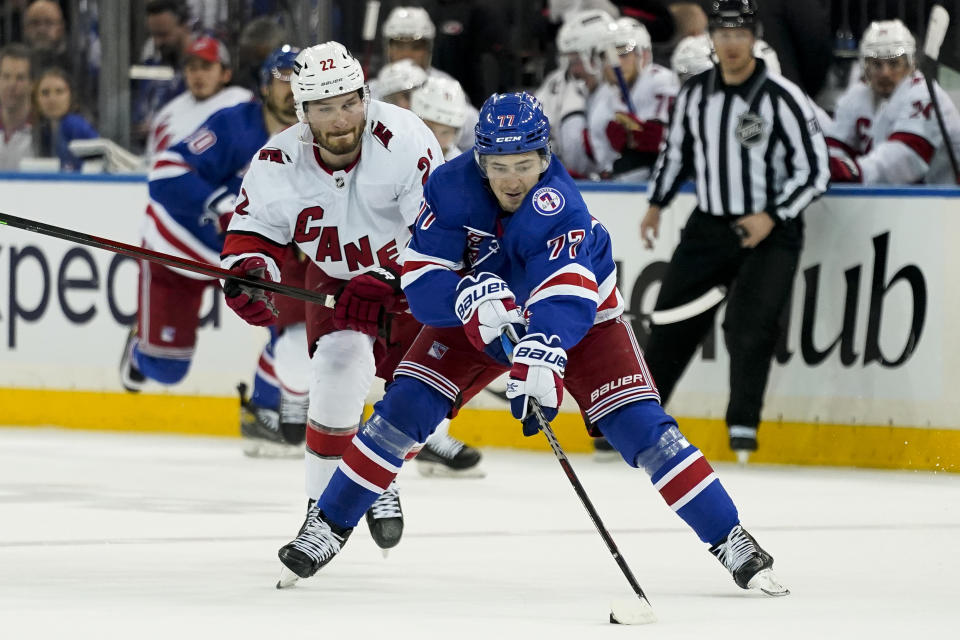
x,y
622,610
688,310
936,31
371,14
614,59
164,259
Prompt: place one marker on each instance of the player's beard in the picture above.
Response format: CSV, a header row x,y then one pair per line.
x,y
285,113
341,145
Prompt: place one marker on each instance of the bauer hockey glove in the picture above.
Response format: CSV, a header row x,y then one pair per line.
x,y
537,375
362,304
486,307
254,305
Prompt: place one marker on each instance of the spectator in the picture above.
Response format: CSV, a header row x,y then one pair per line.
x,y
207,73
57,121
44,33
16,122
169,36
885,129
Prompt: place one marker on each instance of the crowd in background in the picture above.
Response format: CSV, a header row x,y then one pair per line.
x,y
50,57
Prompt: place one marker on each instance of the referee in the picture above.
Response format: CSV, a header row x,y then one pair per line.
x,y
752,140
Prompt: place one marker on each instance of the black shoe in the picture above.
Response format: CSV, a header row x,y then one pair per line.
x,y
743,441
385,518
446,456
750,566
130,377
317,543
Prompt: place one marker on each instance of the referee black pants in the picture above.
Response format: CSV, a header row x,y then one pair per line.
x,y
759,282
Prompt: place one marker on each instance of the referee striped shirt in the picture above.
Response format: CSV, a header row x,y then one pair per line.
x,y
752,147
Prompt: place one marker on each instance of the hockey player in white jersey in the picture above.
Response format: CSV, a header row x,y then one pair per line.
x,y
350,214
207,73
625,145
408,33
885,130
396,82
440,103
567,92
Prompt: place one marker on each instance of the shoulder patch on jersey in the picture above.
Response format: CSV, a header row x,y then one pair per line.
x,y
548,201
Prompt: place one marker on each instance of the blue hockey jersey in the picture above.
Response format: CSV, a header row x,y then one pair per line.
x,y
555,257
196,181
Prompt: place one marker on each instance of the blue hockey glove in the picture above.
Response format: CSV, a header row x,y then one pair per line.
x,y
537,374
486,307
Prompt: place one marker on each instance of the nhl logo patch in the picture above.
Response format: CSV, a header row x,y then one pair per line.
x,y
751,129
437,350
548,201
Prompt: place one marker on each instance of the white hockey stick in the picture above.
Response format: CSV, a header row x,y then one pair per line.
x,y
936,31
691,309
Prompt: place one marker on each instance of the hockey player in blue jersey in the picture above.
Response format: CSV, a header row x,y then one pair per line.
x,y
504,243
193,187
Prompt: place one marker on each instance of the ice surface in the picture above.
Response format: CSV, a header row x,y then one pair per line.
x,y
136,536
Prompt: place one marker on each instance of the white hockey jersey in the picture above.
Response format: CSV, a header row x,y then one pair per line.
x,y
184,114
347,221
564,102
896,141
652,93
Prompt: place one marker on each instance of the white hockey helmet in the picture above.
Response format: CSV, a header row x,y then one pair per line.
x,y
763,50
440,100
584,33
409,23
628,34
886,39
693,55
402,75
324,71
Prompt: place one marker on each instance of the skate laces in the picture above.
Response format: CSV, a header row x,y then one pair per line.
x,y
269,418
387,505
317,539
446,447
737,549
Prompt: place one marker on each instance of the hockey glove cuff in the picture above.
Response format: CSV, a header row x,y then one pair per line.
x,y
537,376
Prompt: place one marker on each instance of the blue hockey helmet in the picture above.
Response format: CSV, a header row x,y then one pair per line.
x,y
280,58
511,123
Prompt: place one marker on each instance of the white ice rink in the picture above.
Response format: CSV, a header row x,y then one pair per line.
x,y
134,536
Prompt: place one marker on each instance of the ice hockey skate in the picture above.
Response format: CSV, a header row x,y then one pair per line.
x,y
750,566
293,416
385,519
316,544
445,456
743,442
261,432
130,377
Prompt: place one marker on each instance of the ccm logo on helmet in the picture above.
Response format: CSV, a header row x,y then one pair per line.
x,y
509,139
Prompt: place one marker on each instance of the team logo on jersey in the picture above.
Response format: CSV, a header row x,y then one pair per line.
x,y
437,350
548,201
339,182
751,129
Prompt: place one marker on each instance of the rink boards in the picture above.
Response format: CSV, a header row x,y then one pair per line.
x,y
866,375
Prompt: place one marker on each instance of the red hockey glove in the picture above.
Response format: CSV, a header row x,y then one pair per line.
x,y
366,298
844,168
254,305
537,374
626,132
